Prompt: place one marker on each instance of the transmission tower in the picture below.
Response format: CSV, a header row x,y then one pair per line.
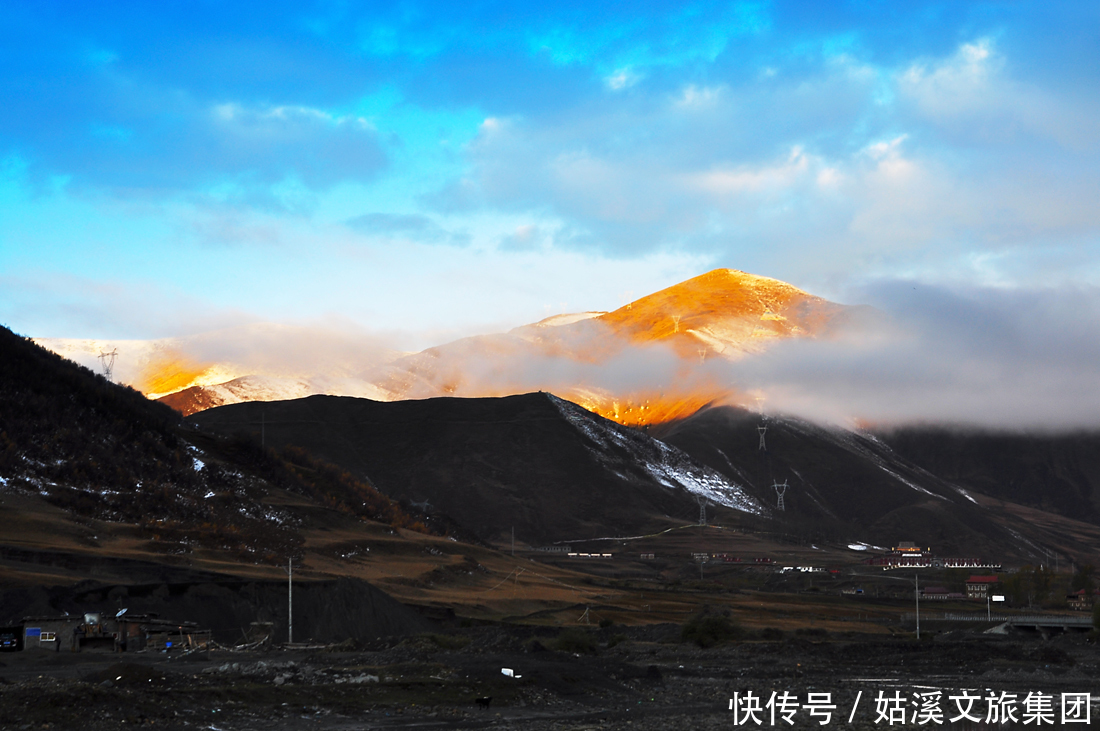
x,y
703,354
762,429
702,510
780,490
107,360
676,323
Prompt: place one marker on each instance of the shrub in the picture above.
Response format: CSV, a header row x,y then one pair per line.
x,y
772,634
615,640
710,629
575,639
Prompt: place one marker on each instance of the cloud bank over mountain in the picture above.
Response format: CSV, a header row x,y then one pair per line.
x,y
996,358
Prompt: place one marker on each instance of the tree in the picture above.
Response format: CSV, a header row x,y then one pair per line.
x,y
1083,579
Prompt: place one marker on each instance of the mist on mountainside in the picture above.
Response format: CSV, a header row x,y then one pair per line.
x,y
911,353
968,356
335,353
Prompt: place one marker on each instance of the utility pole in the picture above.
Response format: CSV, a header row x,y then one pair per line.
x,y
513,540
289,600
916,583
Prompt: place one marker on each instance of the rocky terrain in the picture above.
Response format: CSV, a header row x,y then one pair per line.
x,y
614,677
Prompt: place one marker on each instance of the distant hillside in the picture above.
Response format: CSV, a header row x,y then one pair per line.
x,y
556,472
544,466
839,481
845,485
1055,472
103,451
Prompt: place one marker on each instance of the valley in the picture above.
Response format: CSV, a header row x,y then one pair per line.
x,y
629,557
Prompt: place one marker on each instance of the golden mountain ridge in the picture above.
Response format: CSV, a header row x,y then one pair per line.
x,y
724,314
655,359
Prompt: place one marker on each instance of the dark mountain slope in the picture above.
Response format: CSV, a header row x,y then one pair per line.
x,y
842,483
103,451
545,466
1058,473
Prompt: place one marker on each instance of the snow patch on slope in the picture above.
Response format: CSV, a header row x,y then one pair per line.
x,y
667,465
966,495
272,388
567,319
854,442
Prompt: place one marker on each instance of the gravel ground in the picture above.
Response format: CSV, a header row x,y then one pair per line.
x,y
645,680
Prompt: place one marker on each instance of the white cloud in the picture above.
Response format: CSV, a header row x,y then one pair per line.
x,y
891,148
971,94
698,97
623,78
995,357
490,125
956,86
744,179
282,120
886,172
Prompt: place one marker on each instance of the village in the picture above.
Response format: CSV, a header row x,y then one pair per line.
x,y
129,632
93,632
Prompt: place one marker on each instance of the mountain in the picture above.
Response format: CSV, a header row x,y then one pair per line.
x,y
533,462
645,363
110,500
1056,472
726,313
260,361
103,452
845,485
555,473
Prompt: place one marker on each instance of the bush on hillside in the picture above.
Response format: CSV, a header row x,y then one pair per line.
x,y
707,630
575,639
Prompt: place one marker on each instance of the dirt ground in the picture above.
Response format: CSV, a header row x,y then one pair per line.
x,y
638,678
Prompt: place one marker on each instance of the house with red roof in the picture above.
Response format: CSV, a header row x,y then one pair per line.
x,y
977,587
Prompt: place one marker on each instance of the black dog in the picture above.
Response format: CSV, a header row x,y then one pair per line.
x,y
484,702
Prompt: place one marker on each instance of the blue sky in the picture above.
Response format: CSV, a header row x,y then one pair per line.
x,y
435,169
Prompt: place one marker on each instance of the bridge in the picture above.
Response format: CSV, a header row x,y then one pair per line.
x,y
1041,622
1050,621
